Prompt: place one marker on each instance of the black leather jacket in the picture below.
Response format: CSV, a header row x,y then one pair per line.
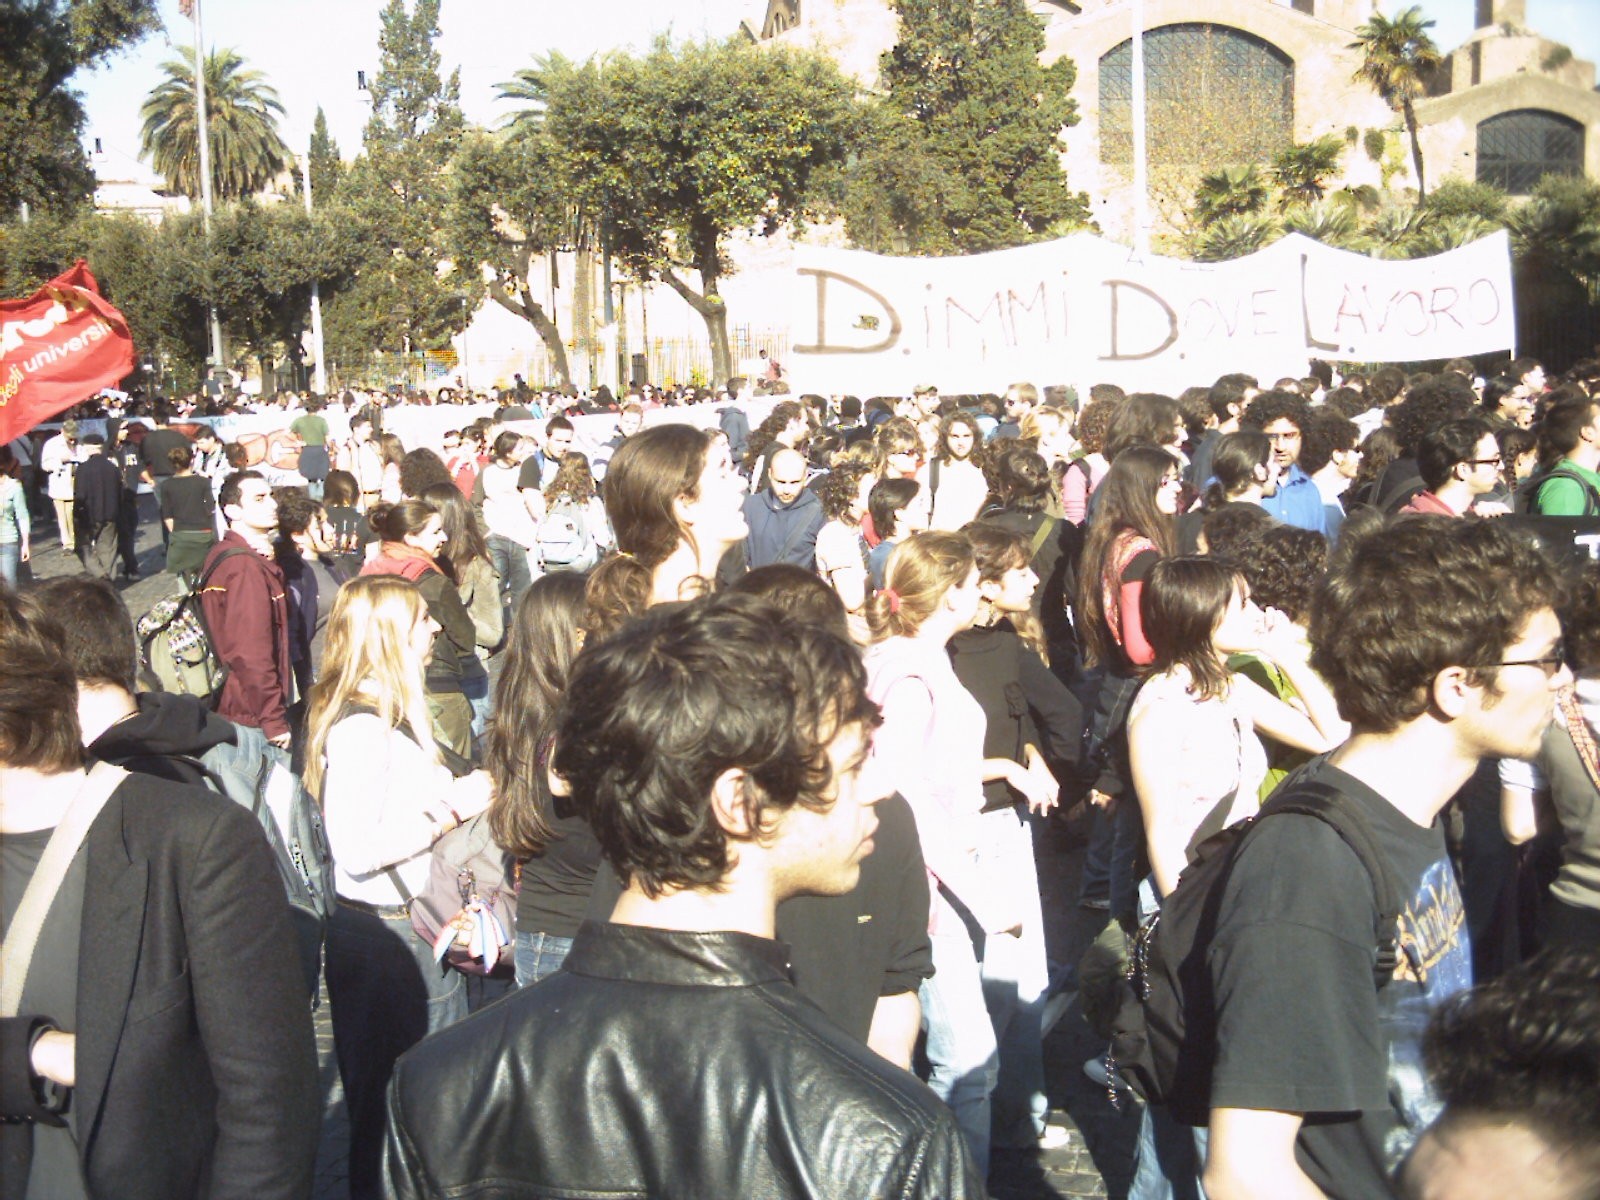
x,y
667,1065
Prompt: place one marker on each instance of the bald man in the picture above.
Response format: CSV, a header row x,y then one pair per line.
x,y
784,517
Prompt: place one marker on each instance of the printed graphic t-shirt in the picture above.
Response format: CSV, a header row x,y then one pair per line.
x,y
1301,1026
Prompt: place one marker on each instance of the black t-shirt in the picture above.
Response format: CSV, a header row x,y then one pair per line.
x,y
1301,1026
154,450
848,951
51,991
186,501
351,534
530,476
553,896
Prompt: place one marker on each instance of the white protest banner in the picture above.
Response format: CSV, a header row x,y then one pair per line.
x,y
1085,310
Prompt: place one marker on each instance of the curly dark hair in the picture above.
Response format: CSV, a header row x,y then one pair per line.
x,y
1324,432
1276,406
655,713
1230,531
1425,408
837,489
420,469
1284,566
1525,1049
1093,422
1416,596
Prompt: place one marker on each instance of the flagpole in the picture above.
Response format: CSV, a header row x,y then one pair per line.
x,y
319,380
1141,180
202,130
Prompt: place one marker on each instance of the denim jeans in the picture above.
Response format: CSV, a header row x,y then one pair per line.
x,y
385,994
538,955
475,687
962,1052
10,561
511,564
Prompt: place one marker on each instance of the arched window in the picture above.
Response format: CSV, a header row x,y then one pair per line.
x,y
1214,95
1517,149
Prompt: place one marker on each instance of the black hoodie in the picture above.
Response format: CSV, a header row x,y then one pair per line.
x,y
165,724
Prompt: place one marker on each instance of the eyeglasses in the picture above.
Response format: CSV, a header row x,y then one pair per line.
x,y
1292,435
1496,461
1550,663
1172,481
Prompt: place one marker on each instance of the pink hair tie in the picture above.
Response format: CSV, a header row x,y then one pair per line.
x,y
894,599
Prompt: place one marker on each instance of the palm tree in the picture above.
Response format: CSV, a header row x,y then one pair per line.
x,y
1236,236
1333,222
1301,171
1228,192
1397,58
242,112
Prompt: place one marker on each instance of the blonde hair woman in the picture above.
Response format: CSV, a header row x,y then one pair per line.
x,y
387,796
931,742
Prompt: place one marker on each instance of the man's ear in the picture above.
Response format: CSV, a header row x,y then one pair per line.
x,y
729,804
1451,691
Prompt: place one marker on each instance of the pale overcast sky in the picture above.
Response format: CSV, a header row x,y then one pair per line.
x,y
310,51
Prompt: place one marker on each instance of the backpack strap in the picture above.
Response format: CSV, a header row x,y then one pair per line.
x,y
1040,535
1591,498
1327,804
223,670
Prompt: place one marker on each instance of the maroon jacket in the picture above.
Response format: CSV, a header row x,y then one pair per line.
x,y
247,611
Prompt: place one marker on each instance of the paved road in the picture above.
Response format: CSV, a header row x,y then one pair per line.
x,y
1094,1159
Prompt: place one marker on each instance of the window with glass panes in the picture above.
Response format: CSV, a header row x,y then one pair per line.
x,y
1517,149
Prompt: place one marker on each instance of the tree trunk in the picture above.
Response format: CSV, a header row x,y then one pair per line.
x,y
714,313
523,304
1416,145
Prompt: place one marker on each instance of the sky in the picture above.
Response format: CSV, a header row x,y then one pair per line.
x,y
311,50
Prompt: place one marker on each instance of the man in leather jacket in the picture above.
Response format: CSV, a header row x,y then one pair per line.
x,y
720,750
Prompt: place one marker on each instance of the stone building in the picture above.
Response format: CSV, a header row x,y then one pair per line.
x,y
1230,81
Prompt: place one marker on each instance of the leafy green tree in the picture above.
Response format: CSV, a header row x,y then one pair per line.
x,y
986,122
1230,191
263,261
509,208
1398,56
671,153
1461,197
1301,171
242,111
402,297
46,42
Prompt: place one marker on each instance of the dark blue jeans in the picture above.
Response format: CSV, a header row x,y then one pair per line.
x,y
538,955
385,994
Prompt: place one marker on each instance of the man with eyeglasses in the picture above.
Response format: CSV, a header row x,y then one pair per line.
x,y
1282,416
1458,462
246,606
1021,399
1440,645
784,517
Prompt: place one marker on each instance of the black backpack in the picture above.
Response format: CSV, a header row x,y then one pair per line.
x,y
1526,498
1164,1035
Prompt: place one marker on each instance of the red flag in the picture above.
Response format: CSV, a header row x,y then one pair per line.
x,y
58,347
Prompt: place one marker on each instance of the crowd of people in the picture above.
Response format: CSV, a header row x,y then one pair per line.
x,y
768,725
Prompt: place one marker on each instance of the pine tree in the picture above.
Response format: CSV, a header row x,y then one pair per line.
x,y
968,97
398,189
327,168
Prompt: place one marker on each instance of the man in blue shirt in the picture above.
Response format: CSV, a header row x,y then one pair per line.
x,y
1282,416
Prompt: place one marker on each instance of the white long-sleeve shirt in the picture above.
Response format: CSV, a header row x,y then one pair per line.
x,y
376,794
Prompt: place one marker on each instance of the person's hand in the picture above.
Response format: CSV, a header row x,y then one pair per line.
x,y
281,741
25,552
55,1057
1281,638
1105,802
1038,785
1491,508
